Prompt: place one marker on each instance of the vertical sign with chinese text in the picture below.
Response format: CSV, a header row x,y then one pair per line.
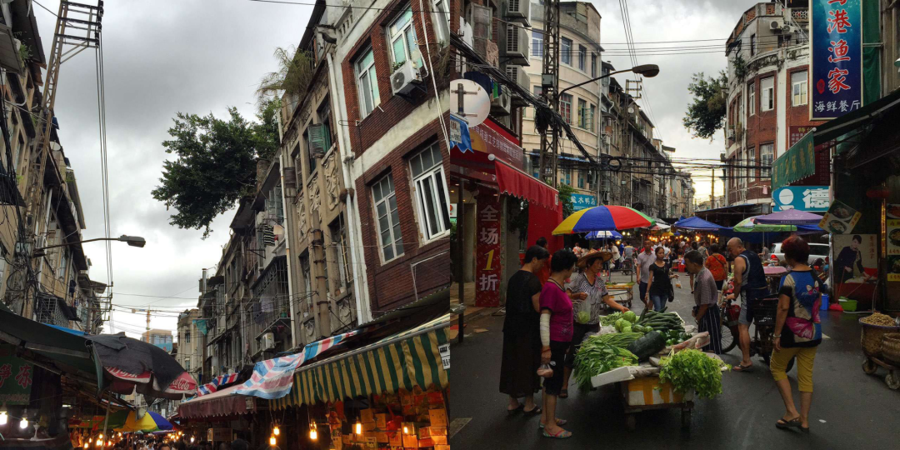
x,y
836,86
487,251
16,377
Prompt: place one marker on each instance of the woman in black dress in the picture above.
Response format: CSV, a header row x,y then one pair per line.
x,y
521,334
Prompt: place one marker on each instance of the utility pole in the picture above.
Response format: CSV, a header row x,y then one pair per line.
x,y
77,28
712,196
550,88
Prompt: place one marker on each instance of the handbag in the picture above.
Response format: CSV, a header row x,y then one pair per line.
x,y
671,293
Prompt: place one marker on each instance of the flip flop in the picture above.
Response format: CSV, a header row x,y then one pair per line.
x,y
743,368
559,422
537,410
519,408
785,424
564,393
561,434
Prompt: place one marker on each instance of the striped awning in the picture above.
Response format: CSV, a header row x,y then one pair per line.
x,y
402,361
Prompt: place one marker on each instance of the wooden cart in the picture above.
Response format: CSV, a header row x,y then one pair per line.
x,y
642,394
622,293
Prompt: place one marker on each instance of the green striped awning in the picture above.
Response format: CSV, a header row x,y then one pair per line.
x,y
402,361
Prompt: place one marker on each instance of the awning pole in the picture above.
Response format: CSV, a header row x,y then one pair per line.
x,y
460,240
106,420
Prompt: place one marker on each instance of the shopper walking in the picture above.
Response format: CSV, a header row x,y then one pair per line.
x,y
660,282
706,301
521,334
750,279
798,331
717,265
556,336
644,261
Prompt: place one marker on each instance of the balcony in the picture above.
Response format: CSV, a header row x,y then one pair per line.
x,y
53,310
269,308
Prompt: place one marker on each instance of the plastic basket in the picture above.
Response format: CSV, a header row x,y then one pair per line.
x,y
847,304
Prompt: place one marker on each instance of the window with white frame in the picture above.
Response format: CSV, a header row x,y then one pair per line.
x,y
751,89
339,252
537,43
367,83
593,65
387,218
592,119
432,199
799,83
751,162
442,16
565,107
582,114
582,57
402,34
767,89
766,158
565,53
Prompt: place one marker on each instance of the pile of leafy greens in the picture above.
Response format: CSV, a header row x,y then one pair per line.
x,y
597,356
692,369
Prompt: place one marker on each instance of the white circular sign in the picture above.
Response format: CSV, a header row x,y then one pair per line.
x,y
476,103
786,196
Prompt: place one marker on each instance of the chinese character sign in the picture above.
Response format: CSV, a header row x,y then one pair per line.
x,y
802,198
581,201
487,249
15,378
836,64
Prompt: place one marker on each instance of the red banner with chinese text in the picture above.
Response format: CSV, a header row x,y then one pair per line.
x,y
487,251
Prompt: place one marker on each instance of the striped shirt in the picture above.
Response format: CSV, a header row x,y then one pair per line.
x,y
705,291
593,304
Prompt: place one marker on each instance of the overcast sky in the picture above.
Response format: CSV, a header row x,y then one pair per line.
x,y
161,57
201,56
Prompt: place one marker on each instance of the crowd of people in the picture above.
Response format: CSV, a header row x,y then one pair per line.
x,y
542,335
149,442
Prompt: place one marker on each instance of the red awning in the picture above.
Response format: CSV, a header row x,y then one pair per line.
x,y
225,402
510,181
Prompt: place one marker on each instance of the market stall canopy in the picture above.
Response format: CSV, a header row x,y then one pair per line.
x,y
224,402
510,180
697,224
129,421
604,218
790,217
403,361
597,235
134,364
751,225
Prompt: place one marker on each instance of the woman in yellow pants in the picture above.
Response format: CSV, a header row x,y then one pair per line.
x,y
797,332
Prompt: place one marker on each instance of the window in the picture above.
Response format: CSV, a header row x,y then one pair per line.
x,y
567,175
799,85
274,205
187,338
582,57
766,158
324,113
431,192
751,98
767,89
367,83
339,252
538,90
63,262
307,278
752,44
751,161
565,55
592,119
442,16
565,107
535,163
593,65
537,43
388,219
581,179
187,365
404,45
582,114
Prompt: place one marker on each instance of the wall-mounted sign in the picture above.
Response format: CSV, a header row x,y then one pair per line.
x,y
836,67
840,218
16,377
582,201
487,250
801,198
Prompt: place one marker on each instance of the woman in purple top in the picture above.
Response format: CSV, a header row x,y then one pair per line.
x,y
556,326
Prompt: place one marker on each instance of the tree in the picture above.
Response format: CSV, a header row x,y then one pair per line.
x,y
292,77
215,163
565,197
706,114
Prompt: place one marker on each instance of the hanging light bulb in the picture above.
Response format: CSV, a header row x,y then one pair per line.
x,y
192,439
23,424
3,418
85,445
313,432
101,436
358,427
99,442
90,440
276,431
405,430
272,441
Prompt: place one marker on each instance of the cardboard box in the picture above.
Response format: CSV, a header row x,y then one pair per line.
x,y
438,417
396,439
438,431
424,432
368,426
439,440
649,391
382,436
441,447
381,421
427,442
409,440
613,376
367,415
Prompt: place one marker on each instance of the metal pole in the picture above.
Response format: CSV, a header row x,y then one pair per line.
x,y
460,242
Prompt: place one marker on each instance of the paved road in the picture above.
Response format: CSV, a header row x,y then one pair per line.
x,y
850,409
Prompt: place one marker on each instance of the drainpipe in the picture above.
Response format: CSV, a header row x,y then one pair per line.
x,y
360,282
288,226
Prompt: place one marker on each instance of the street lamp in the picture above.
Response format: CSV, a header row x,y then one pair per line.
x,y
132,241
647,70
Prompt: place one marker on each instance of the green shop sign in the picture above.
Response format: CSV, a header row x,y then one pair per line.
x,y
16,377
797,163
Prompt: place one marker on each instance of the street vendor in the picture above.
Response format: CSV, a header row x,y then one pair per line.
x,y
706,298
593,301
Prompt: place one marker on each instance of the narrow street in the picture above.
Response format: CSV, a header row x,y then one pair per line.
x,y
849,408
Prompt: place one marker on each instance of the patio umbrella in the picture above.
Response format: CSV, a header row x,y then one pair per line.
x,y
136,365
750,225
599,235
790,217
697,224
128,422
603,218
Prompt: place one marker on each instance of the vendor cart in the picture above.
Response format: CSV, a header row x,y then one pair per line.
x,y
622,293
871,340
642,394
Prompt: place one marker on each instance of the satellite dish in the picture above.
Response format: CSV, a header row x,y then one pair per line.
x,y
476,103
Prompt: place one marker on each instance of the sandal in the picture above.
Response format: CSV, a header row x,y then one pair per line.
x,y
564,393
519,408
743,368
561,434
559,422
785,424
534,411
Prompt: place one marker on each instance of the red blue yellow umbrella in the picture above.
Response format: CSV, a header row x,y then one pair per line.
x,y
604,218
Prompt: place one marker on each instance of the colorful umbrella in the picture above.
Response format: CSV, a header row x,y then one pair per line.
x,y
603,218
790,217
598,235
151,421
750,225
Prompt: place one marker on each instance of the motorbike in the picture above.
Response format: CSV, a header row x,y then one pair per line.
x,y
764,314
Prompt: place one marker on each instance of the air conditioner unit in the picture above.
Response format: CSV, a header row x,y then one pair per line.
x,y
518,11
518,74
516,47
405,79
776,25
501,104
267,341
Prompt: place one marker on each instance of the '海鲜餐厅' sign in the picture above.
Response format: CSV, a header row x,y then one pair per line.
x,y
836,65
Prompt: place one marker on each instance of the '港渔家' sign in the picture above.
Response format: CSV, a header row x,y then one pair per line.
x,y
836,67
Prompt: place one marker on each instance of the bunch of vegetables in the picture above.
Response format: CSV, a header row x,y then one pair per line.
x,y
661,321
618,339
582,317
675,337
610,319
597,356
625,324
691,369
